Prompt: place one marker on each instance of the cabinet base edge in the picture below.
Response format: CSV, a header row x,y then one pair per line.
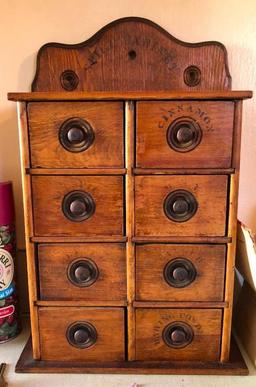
x,y
235,366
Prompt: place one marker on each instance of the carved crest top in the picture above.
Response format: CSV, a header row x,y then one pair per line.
x,y
132,54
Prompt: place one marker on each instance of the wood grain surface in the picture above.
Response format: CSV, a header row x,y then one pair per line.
x,y
106,120
86,303
171,304
130,82
168,239
125,54
48,194
109,258
29,225
208,260
129,219
131,95
235,366
230,270
108,322
215,120
80,171
232,230
209,191
169,171
206,325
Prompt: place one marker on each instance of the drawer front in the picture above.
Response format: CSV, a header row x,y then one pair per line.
x,y
178,334
91,271
166,272
81,334
77,205
184,134
76,134
180,205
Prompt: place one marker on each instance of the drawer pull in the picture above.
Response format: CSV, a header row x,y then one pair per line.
x,y
81,334
179,272
76,135
82,272
78,206
178,334
180,205
184,134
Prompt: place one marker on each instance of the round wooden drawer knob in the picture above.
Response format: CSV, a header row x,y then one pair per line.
x,y
81,334
179,272
184,134
178,334
82,272
76,135
180,205
78,206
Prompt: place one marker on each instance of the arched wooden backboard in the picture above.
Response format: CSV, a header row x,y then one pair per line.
x,y
132,54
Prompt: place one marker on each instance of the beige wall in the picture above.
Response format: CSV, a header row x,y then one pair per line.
x,y
25,25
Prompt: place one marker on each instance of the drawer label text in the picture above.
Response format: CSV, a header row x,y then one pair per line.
x,y
167,319
186,110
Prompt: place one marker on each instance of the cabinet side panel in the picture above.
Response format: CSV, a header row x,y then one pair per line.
x,y
28,219
232,231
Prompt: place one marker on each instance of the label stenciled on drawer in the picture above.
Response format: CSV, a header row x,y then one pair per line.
x,y
167,318
186,110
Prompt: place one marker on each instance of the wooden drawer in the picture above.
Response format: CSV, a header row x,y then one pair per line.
x,y
184,134
77,205
166,272
91,271
180,205
81,334
76,134
178,334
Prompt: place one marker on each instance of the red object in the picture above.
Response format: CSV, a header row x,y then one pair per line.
x,y
9,318
7,214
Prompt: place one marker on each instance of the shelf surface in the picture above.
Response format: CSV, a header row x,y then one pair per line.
x,y
235,366
132,95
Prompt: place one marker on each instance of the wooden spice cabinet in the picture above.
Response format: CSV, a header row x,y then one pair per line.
x,y
130,148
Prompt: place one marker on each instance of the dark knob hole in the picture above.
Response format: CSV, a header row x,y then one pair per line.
x,y
192,76
69,80
132,54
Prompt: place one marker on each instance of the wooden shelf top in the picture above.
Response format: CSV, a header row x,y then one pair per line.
x,y
132,95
